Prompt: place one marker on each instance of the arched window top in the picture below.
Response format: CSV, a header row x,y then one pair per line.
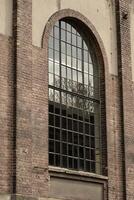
x,y
74,100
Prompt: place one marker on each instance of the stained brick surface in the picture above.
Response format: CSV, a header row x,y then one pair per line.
x,y
24,109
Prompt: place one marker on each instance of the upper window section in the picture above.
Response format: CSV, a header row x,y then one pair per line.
x,y
70,60
74,102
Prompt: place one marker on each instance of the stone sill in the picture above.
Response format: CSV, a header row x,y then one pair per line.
x,y
76,173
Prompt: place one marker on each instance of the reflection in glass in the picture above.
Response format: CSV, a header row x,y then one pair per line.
x,y
69,61
74,75
51,42
63,59
51,67
56,32
68,37
56,44
63,35
51,79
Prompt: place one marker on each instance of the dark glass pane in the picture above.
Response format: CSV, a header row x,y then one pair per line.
x,y
75,151
87,141
57,147
92,154
57,160
51,133
69,124
70,150
51,108
57,121
51,145
64,148
81,152
51,159
81,164
64,161
81,139
51,119
57,134
64,136
70,163
88,166
75,125
92,142
81,127
64,123
92,130
86,128
75,164
70,137
75,138
87,153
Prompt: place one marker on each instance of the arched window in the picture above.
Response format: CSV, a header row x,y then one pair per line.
x,y
74,100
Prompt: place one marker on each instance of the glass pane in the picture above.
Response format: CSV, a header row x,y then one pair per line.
x,y
86,56
56,32
51,70
56,44
57,81
51,79
73,39
79,41
86,79
56,56
79,54
74,63
51,54
68,37
51,42
57,96
69,61
79,77
74,75
79,65
74,51
68,27
63,59
91,69
63,47
69,49
57,69
63,71
69,73
63,35
51,94
86,67
62,25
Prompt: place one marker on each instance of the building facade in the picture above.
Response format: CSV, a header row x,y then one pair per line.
x,y
66,100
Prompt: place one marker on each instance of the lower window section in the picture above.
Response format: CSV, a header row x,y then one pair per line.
x,y
74,140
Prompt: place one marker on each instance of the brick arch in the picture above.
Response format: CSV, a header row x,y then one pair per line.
x,y
101,54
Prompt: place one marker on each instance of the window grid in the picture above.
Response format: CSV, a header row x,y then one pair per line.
x,y
74,102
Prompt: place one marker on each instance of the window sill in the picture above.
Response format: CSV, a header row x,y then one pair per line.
x,y
79,174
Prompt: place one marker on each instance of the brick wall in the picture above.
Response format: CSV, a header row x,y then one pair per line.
x,y
24,109
6,113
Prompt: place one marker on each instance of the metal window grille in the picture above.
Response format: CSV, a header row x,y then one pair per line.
x,y
74,101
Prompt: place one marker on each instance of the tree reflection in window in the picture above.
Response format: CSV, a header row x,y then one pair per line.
x,y
74,104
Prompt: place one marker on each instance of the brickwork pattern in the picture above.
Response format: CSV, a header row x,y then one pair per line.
x,y
125,75
6,113
24,100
